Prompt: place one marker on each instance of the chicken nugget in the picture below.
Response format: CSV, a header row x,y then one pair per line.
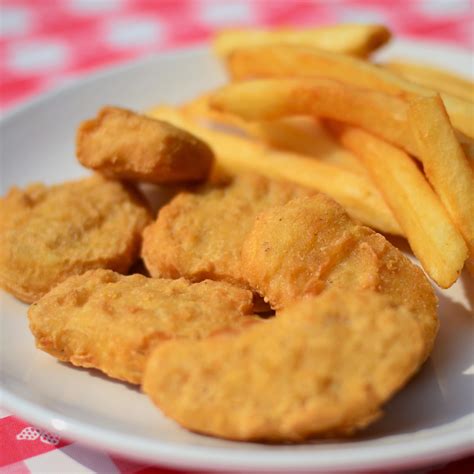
x,y
50,233
323,366
311,243
200,235
125,145
111,322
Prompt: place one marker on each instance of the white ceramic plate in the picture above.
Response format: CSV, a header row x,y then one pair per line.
x,y
430,421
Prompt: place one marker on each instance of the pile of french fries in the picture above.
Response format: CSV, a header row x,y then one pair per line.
x,y
393,143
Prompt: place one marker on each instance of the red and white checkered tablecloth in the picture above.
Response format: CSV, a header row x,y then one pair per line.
x,y
45,42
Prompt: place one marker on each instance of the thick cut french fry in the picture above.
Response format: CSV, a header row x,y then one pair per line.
x,y
235,154
294,60
304,135
200,110
300,134
432,235
444,162
434,78
267,99
355,39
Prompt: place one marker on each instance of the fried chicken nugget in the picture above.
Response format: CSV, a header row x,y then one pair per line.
x,y
323,366
200,235
125,145
111,322
311,243
50,233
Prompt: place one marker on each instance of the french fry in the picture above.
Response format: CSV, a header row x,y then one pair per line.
x,y
235,154
444,162
306,136
199,109
303,135
299,134
461,113
432,235
434,78
355,39
268,99
295,60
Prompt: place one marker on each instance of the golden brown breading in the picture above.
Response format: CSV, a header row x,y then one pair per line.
x,y
322,366
310,243
50,233
111,322
125,145
199,236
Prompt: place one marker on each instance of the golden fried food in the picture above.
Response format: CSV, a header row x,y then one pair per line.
x,y
445,164
349,38
431,233
297,60
323,366
305,136
434,78
50,233
377,112
125,145
235,155
311,243
199,236
111,322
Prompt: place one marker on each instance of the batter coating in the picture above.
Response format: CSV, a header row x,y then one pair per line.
x,y
125,145
111,322
199,236
50,233
311,243
323,366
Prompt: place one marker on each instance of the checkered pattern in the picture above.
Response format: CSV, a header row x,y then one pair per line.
x,y
45,42
28,449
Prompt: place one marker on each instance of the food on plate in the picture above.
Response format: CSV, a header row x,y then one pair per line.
x,y
444,162
303,135
297,60
359,40
111,322
48,233
268,308
199,112
308,137
430,231
199,235
311,243
433,77
122,144
236,155
268,99
323,366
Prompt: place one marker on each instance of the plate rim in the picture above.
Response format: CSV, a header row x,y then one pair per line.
x,y
437,448
447,445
